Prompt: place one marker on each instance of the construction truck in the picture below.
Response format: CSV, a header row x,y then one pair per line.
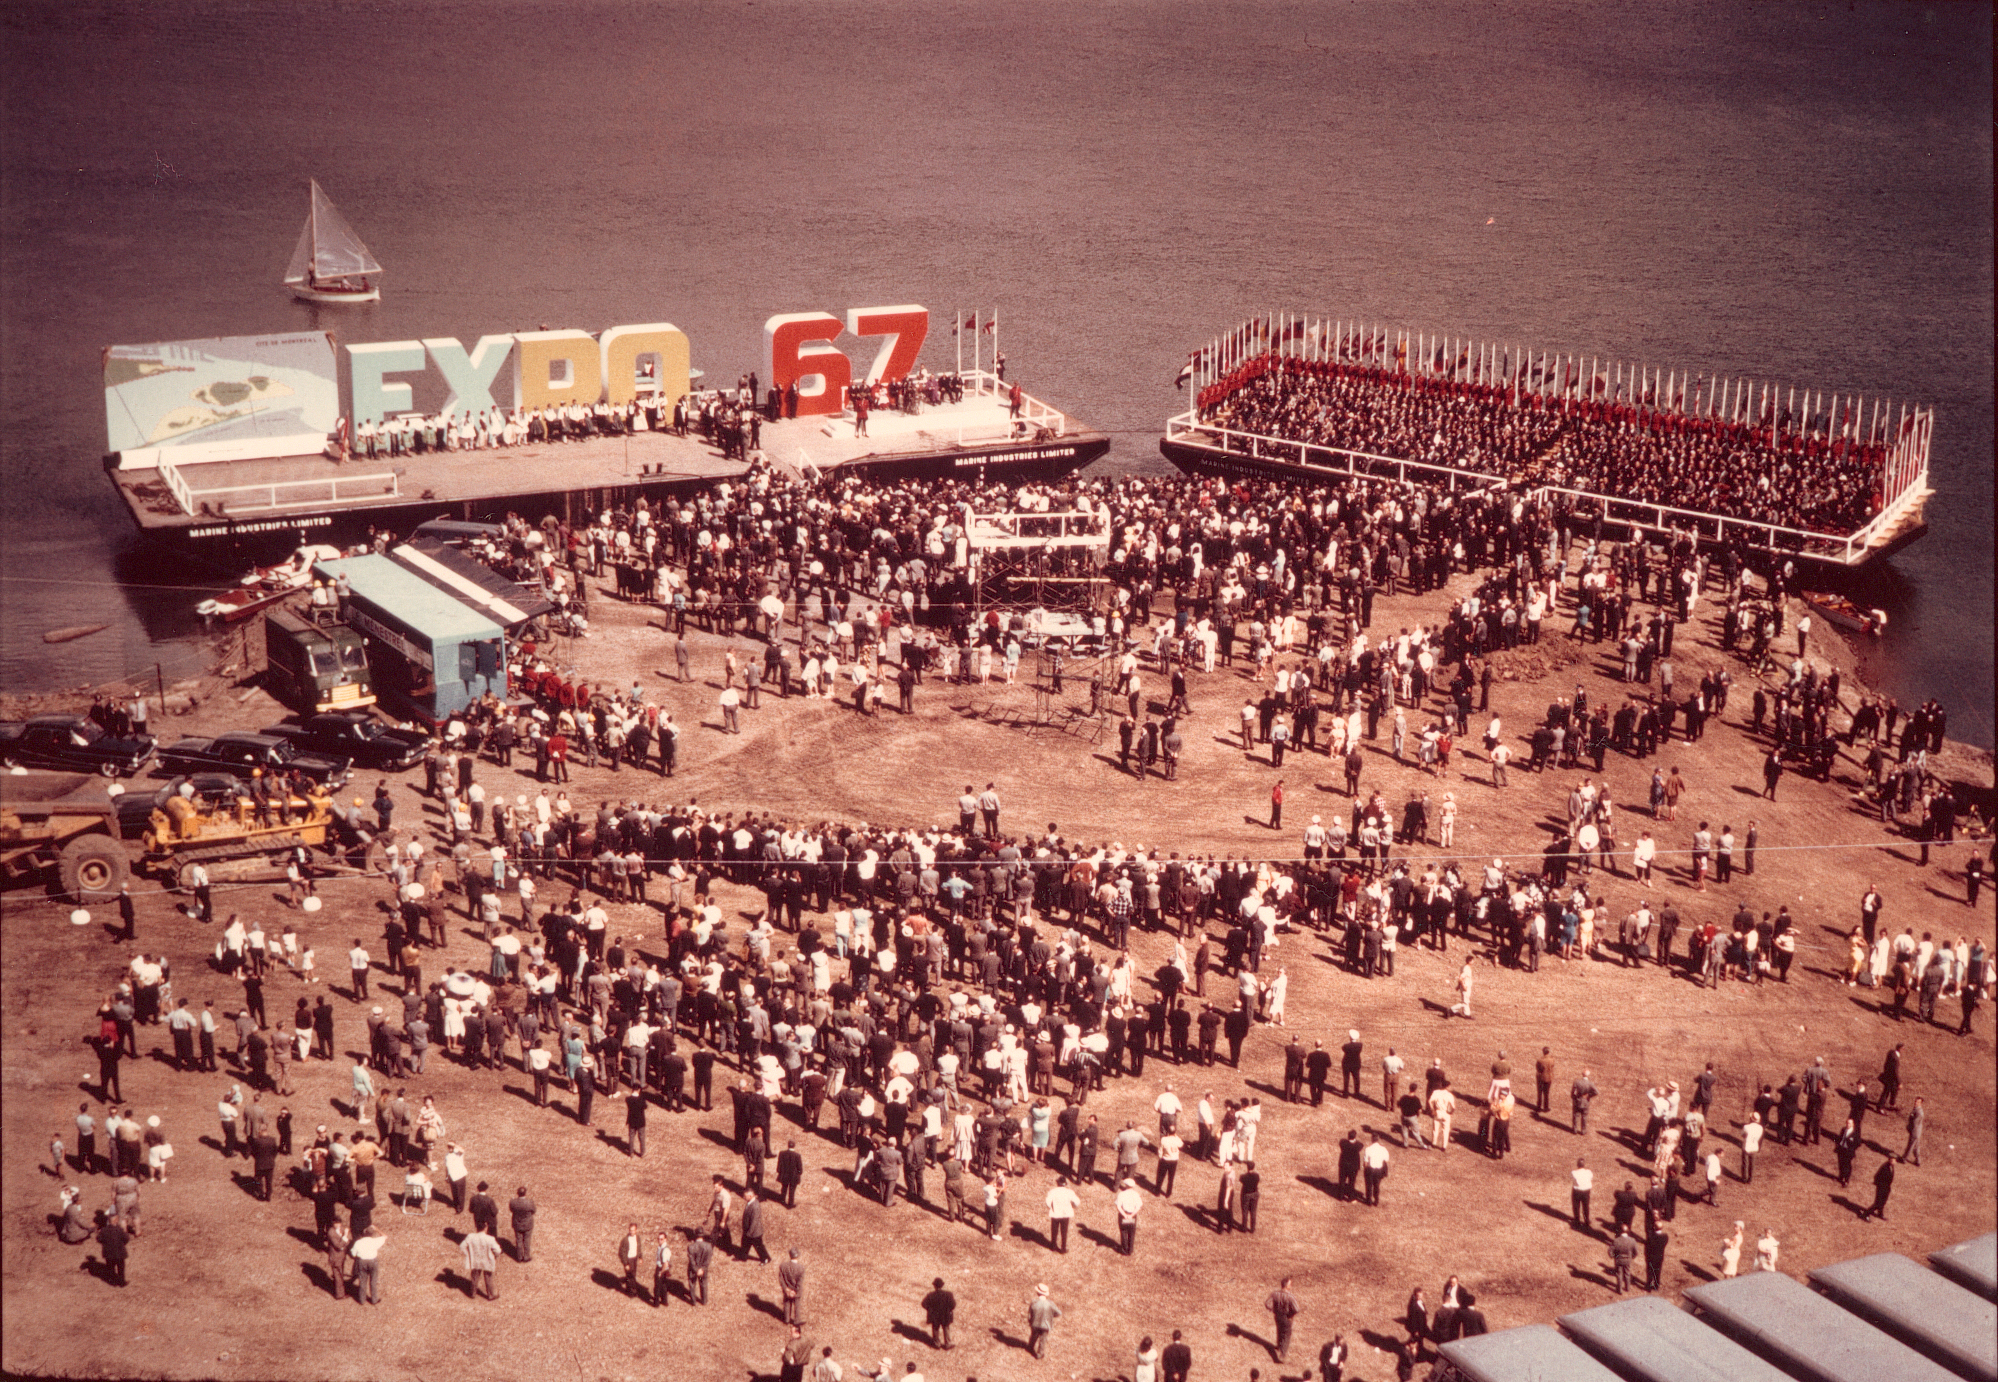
x,y
250,838
63,825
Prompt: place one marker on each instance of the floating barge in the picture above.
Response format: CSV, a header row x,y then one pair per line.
x,y
1510,377
277,502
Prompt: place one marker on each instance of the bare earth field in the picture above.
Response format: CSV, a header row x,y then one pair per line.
x,y
225,1286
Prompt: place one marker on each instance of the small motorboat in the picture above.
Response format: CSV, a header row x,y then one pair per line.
x,y
267,584
330,265
1843,613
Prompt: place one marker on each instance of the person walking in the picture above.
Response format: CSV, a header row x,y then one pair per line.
x,y
1374,1168
1062,1204
662,1269
481,1252
521,1210
1731,1251
1128,1203
700,1257
1041,1316
339,1243
791,1287
367,1251
1580,1095
1283,1307
1624,1249
939,1311
1462,1007
1883,1186
630,1252
1581,1181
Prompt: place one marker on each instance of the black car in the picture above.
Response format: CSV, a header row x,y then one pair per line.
x,y
355,734
135,809
73,744
241,754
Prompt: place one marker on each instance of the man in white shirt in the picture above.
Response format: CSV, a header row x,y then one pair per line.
x,y
1062,1203
1582,1181
367,1266
1373,1168
1128,1202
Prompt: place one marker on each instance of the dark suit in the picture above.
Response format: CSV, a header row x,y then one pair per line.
x,y
752,1231
790,1174
522,1209
115,1244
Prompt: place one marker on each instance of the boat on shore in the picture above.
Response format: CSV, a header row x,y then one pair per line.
x,y
330,264
1842,613
267,584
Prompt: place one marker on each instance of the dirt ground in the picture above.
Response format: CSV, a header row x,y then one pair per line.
x,y
225,1286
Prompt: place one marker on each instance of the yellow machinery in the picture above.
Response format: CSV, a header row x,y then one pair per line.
x,y
184,833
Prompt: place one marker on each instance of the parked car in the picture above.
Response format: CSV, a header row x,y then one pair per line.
x,y
135,809
73,744
242,753
371,744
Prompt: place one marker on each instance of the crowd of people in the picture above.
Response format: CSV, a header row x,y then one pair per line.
x,y
1767,471
931,984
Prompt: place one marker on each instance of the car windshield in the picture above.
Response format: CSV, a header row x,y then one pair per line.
x,y
85,732
354,658
325,662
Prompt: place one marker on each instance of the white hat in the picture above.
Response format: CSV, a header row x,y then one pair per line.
x,y
153,1122
1353,1033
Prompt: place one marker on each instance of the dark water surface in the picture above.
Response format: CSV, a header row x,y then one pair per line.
x,y
1794,193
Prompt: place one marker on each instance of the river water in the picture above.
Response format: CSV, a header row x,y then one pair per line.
x,y
1793,193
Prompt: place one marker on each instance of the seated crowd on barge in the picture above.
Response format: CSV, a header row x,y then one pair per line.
x,y
1825,480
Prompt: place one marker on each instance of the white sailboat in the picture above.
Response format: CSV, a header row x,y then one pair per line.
x,y
330,264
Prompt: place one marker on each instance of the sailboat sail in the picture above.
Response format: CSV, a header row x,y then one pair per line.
x,y
327,246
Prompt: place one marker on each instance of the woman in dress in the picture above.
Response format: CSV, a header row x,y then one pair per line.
x,y
1038,1120
429,1127
964,1134
1731,1251
1278,989
1145,1368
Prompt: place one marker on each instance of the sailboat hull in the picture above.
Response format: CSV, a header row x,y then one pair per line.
x,y
328,295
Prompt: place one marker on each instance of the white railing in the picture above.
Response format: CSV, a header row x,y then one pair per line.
x,y
170,476
1843,548
325,490
1336,460
978,382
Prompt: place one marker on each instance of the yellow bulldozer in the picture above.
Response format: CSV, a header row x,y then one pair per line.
x,y
186,831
